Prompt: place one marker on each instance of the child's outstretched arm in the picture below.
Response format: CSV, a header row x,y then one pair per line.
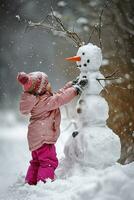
x,y
69,84
63,96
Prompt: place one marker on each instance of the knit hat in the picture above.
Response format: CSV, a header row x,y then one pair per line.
x,y
34,82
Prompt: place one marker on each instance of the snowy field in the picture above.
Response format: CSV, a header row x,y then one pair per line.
x,y
113,183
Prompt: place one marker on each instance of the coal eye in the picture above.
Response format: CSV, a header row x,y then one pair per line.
x,y
79,65
88,61
84,76
85,64
83,53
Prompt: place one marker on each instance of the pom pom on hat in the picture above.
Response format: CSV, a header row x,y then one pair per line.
x,y
22,78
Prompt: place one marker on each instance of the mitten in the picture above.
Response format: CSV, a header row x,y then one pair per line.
x,y
75,81
81,85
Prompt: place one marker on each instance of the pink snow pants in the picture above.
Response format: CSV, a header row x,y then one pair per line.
x,y
43,164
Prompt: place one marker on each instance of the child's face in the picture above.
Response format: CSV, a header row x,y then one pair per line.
x,y
48,87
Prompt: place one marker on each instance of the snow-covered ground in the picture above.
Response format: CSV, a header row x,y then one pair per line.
x,y
113,183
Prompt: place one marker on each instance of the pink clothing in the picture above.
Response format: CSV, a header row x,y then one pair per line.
x,y
42,165
44,126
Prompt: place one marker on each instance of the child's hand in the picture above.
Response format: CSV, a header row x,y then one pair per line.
x,y
75,81
81,85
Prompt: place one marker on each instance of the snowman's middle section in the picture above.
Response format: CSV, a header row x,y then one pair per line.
x,y
94,87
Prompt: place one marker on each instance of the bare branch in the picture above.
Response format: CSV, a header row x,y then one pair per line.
x,y
102,85
131,21
110,75
106,79
55,25
120,21
92,31
98,26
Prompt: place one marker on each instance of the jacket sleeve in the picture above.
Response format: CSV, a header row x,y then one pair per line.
x,y
27,102
67,85
63,96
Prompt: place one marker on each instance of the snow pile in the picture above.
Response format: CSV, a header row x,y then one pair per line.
x,y
113,183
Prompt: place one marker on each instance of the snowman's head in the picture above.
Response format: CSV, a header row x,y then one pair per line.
x,y
88,58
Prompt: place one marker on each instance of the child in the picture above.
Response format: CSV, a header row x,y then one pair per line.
x,y
44,126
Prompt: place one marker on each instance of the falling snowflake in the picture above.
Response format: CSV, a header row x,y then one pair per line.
x,y
18,17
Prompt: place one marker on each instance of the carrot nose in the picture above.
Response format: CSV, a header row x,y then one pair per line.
x,y
74,58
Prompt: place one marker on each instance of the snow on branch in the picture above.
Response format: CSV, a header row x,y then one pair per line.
x,y
54,24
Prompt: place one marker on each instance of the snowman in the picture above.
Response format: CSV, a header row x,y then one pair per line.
x,y
93,144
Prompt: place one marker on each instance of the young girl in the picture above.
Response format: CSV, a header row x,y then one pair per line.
x,y
44,126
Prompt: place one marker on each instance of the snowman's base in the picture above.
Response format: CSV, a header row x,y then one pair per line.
x,y
93,147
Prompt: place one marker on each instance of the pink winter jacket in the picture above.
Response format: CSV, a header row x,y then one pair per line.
x,y
44,126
